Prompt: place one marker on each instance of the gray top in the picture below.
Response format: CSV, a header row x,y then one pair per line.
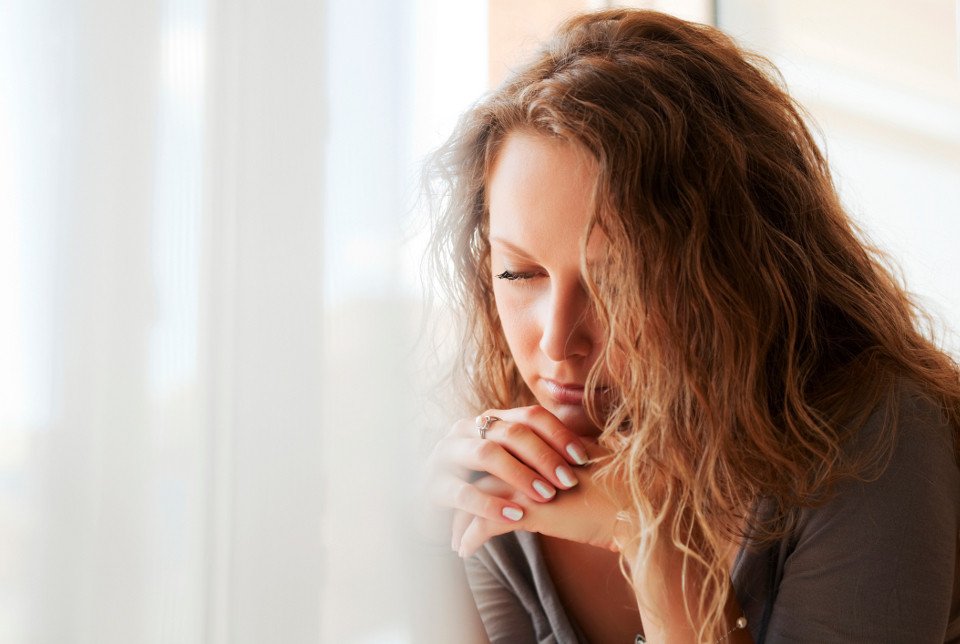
x,y
877,563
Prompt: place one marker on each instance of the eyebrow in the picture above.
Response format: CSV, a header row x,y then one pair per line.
x,y
519,251
513,247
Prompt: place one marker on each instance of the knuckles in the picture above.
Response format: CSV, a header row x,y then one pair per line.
x,y
487,449
513,431
548,456
532,413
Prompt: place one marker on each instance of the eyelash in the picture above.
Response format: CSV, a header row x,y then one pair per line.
x,y
508,275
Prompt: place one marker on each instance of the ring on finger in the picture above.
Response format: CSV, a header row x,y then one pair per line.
x,y
483,424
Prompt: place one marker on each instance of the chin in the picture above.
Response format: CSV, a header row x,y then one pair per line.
x,y
575,418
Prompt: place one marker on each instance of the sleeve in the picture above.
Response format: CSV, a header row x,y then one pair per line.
x,y
504,617
877,562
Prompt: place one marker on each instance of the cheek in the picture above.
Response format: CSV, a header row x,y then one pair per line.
x,y
519,323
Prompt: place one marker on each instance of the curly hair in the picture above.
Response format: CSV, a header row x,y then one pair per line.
x,y
749,329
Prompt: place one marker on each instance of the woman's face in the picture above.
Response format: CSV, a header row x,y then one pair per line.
x,y
540,192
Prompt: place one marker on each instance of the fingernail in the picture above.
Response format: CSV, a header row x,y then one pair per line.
x,y
514,514
543,489
577,454
566,476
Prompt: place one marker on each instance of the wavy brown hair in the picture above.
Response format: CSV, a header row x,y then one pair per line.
x,y
750,331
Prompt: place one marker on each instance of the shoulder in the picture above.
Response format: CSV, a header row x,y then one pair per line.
x,y
915,469
916,412
879,558
925,432
917,441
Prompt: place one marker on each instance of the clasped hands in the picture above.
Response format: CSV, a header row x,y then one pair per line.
x,y
530,473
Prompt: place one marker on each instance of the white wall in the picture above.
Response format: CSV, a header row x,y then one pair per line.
x,y
882,81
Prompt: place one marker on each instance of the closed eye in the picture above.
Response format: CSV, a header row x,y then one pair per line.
x,y
509,275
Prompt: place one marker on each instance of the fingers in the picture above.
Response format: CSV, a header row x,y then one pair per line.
x,y
537,438
527,451
528,447
478,532
461,520
453,492
538,484
541,422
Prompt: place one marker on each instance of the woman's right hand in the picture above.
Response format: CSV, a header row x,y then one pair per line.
x,y
527,447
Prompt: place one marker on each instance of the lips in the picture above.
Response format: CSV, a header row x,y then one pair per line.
x,y
565,394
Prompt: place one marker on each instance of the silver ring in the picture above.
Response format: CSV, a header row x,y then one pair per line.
x,y
483,424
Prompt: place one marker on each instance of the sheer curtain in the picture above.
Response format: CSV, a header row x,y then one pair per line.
x,y
163,165
205,316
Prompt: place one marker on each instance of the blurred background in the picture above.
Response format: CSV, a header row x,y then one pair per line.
x,y
214,379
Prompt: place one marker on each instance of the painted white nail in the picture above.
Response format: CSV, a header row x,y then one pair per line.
x,y
543,489
577,454
566,476
514,514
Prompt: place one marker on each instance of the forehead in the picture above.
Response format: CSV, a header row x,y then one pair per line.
x,y
540,194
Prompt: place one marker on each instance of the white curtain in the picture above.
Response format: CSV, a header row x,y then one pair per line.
x,y
210,391
162,313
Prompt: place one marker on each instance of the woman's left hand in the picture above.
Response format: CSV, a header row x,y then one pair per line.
x,y
585,514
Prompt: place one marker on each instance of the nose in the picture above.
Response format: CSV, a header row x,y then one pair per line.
x,y
568,331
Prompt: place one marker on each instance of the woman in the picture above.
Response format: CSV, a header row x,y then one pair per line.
x,y
707,412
